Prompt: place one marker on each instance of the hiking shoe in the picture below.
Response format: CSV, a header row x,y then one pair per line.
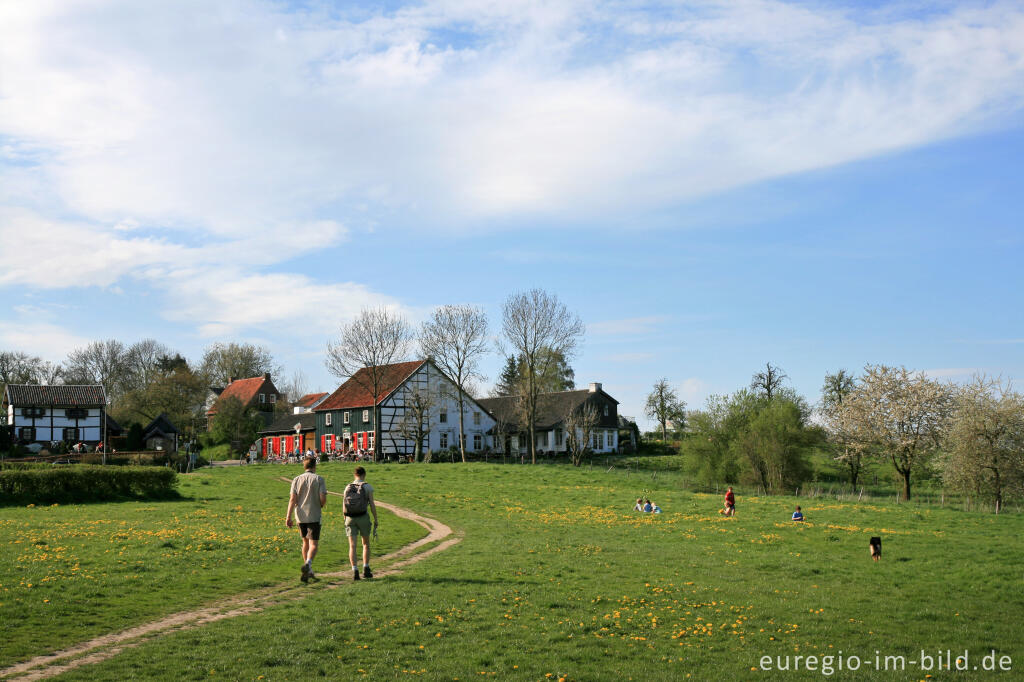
x,y
306,573
355,574
367,573
312,576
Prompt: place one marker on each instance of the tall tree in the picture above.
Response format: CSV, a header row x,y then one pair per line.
x,y
17,367
768,382
663,406
986,440
415,422
556,374
236,424
536,325
898,415
375,339
579,425
100,362
143,359
510,380
837,388
224,361
455,338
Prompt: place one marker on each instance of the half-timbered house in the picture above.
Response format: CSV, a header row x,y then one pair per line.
x,y
53,414
346,419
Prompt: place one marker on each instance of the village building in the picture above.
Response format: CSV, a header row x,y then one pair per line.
x,y
257,392
346,420
307,402
552,409
54,414
161,434
287,435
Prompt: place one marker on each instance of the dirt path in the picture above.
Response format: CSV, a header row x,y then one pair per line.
x,y
108,646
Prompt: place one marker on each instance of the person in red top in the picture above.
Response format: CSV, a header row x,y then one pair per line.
x,y
730,503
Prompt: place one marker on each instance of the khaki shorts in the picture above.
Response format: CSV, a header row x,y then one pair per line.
x,y
358,525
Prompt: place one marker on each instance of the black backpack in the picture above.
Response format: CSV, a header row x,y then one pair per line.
x,y
356,499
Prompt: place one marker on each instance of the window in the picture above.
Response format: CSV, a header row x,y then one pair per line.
x,y
478,442
542,439
70,434
76,413
371,440
273,399
476,419
345,417
444,440
263,397
366,416
327,419
27,433
33,411
600,441
559,437
593,440
606,410
442,417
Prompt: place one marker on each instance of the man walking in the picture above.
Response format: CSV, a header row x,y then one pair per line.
x,y
308,497
359,499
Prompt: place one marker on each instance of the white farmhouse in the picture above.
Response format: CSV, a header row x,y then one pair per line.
x,y
48,414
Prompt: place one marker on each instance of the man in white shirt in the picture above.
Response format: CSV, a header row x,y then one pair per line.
x,y
308,497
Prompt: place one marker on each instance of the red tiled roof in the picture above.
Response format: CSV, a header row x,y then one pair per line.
x,y
243,389
309,399
357,391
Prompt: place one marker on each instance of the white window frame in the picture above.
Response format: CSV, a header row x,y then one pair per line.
x,y
476,419
366,416
442,441
478,441
327,419
273,398
600,440
345,417
263,398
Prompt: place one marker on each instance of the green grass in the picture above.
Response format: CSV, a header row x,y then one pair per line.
x,y
556,577
218,453
70,572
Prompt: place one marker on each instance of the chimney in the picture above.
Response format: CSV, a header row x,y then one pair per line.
x,y
266,375
595,387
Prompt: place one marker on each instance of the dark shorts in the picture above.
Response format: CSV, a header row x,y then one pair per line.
x,y
310,530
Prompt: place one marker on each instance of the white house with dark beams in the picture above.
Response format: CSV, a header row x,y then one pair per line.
x,y
48,414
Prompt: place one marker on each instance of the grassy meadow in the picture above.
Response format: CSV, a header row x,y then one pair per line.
x,y
555,578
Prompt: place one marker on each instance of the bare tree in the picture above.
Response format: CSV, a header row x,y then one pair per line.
x,y
986,440
579,426
663,406
539,328
898,415
224,361
419,403
48,373
837,388
294,387
768,382
17,367
100,362
455,338
144,360
375,339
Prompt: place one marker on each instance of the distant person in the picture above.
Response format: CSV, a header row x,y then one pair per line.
x,y
798,515
359,501
639,506
876,548
648,507
307,499
730,503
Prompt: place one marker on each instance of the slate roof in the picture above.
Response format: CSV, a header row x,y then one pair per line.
x,y
33,395
357,391
551,408
161,425
285,424
243,389
310,399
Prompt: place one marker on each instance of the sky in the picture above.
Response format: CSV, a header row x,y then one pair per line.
x,y
710,185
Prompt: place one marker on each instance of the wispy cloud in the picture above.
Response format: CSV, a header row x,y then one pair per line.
x,y
626,326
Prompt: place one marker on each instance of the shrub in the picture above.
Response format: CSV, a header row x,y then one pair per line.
x,y
84,483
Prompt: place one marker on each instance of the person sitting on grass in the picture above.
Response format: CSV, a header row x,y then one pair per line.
x,y
798,515
639,506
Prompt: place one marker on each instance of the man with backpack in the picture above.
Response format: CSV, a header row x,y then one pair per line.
x,y
359,500
308,497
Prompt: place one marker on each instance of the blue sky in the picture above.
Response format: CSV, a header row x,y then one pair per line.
x,y
711,186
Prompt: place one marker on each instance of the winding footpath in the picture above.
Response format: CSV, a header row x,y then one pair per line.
x,y
107,646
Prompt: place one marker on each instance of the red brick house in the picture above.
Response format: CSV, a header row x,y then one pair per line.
x,y
258,392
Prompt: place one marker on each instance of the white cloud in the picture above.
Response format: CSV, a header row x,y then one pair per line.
x,y
44,339
627,326
951,372
148,143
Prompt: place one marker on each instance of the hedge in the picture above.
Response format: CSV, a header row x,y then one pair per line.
x,y
84,483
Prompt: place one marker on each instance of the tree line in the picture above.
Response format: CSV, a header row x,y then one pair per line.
x,y
971,436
